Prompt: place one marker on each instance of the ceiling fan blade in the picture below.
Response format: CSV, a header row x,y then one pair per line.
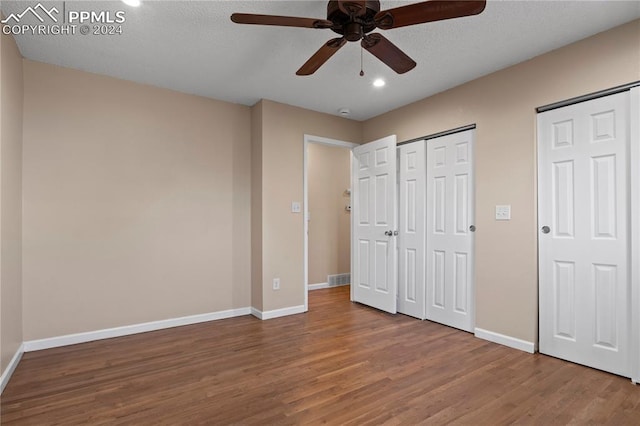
x,y
428,11
353,7
388,53
283,21
321,56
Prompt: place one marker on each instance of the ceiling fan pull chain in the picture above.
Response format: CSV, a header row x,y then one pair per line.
x,y
361,70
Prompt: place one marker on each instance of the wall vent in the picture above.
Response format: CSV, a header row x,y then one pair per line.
x,y
338,279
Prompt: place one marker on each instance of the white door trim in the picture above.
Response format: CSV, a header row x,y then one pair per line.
x,y
305,183
634,185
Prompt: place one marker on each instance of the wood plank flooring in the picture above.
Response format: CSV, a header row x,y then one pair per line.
x,y
339,364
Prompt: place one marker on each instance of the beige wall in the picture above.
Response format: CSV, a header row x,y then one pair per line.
x,y
136,203
329,176
10,200
503,105
142,204
283,130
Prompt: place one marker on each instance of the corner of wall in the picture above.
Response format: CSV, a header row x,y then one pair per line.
x,y
241,207
256,206
11,139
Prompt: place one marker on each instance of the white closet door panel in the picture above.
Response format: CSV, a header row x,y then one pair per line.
x,y
411,238
583,255
449,279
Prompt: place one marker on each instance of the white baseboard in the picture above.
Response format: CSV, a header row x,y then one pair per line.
x,y
317,286
8,372
509,341
323,285
276,313
108,333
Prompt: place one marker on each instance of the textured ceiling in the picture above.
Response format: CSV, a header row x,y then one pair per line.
x,y
193,47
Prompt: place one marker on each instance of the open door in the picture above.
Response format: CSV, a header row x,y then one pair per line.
x,y
374,231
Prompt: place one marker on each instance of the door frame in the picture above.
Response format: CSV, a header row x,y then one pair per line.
x,y
309,139
634,187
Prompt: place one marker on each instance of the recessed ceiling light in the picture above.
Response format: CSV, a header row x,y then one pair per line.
x,y
378,82
132,3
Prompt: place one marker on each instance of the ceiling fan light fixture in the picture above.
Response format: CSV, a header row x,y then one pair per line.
x,y
354,20
378,82
132,3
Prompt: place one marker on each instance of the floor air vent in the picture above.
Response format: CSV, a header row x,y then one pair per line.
x,y
338,279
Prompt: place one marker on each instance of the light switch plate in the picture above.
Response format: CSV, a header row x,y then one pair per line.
x,y
503,212
295,207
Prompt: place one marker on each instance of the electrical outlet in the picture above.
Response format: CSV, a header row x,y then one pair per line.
x,y
276,283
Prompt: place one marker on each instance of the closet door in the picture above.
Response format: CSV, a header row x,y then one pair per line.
x,y
583,213
450,226
411,219
373,242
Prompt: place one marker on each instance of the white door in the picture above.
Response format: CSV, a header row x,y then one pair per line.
x,y
374,265
411,239
583,237
450,218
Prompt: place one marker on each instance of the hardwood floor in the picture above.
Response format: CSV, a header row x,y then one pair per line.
x,y
341,363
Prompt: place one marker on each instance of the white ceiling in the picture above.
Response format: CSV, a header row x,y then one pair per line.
x,y
193,47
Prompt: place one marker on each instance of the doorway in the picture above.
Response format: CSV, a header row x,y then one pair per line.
x,y
327,218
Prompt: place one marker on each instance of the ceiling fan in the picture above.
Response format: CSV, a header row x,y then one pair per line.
x,y
354,20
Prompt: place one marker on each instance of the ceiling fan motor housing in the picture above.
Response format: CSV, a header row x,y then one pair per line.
x,y
352,28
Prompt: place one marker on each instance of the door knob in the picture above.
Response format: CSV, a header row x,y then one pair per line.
x,y
545,229
472,228
388,233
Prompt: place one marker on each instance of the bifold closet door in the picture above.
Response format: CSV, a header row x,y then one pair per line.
x,y
583,214
450,297
411,220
